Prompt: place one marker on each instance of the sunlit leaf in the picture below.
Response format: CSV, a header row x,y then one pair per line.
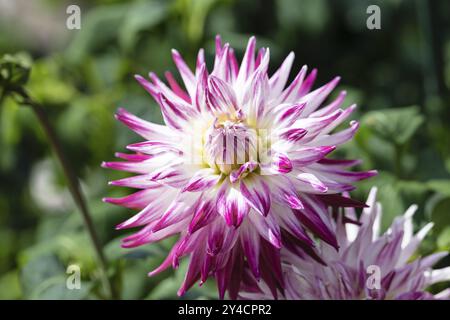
x,y
397,125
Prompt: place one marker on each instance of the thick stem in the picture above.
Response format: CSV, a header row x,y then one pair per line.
x,y
74,188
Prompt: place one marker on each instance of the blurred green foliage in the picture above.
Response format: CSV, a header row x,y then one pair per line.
x,y
399,76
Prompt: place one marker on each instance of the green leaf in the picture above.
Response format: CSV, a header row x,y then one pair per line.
x,y
167,288
443,241
65,247
391,201
375,151
380,181
10,285
412,191
307,15
114,251
133,266
447,164
396,125
10,132
194,14
39,270
44,277
99,29
438,209
141,16
55,288
439,185
47,84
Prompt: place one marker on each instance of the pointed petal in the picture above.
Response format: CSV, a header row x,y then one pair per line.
x,y
186,73
257,192
202,180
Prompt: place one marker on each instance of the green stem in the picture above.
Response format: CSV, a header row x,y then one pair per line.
x,y
74,188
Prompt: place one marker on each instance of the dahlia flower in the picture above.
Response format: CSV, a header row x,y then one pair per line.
x,y
238,169
367,265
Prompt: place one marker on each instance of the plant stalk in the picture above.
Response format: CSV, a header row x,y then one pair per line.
x,y
74,188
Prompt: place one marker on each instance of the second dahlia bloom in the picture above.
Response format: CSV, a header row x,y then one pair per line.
x,y
239,169
368,265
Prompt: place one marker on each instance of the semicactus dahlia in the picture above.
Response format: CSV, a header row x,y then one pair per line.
x,y
238,169
367,266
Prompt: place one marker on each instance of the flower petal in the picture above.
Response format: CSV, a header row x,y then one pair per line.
x,y
257,192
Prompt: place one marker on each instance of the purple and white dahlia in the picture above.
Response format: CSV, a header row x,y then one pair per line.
x,y
239,168
367,266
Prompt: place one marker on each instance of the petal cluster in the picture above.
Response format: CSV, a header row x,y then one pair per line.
x,y
367,266
239,169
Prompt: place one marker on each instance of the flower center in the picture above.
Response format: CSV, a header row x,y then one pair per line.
x,y
229,142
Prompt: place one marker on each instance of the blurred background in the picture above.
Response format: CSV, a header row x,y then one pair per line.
x,y
399,76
